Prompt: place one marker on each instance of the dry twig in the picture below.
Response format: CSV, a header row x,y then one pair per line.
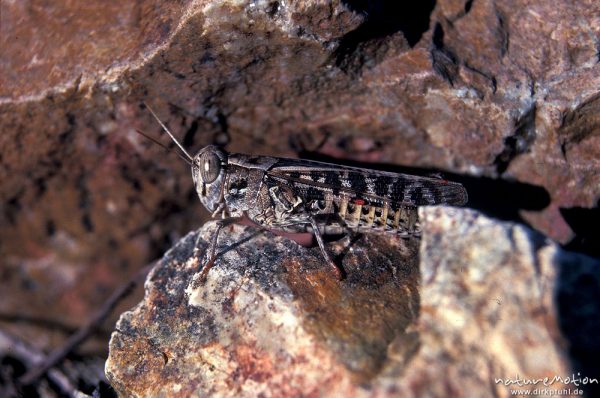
x,y
86,330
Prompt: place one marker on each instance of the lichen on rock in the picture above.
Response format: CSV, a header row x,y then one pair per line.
x,y
268,317
473,304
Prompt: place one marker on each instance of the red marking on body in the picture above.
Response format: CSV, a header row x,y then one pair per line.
x,y
359,202
444,181
305,239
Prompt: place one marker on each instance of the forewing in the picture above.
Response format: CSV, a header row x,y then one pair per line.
x,y
314,179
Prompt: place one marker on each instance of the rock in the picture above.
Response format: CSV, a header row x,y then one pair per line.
x,y
473,304
491,92
242,332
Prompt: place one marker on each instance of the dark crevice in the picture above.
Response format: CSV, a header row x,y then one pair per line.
x,y
438,37
578,305
221,136
91,386
41,186
167,68
86,221
17,367
580,124
188,138
50,228
273,9
492,79
563,150
84,203
11,368
462,13
519,142
445,63
384,18
12,207
584,223
129,178
65,135
222,121
502,33
468,5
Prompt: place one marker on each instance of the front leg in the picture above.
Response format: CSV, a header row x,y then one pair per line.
x,y
212,248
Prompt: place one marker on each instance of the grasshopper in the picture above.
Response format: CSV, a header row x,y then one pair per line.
x,y
299,196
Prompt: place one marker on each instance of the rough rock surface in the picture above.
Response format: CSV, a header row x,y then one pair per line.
x,y
475,303
492,91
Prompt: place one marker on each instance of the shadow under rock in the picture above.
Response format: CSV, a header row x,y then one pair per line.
x,y
578,302
584,222
384,18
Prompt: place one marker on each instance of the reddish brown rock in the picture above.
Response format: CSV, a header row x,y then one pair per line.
x,y
500,90
269,319
475,305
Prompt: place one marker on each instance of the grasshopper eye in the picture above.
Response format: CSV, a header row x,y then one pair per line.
x,y
210,167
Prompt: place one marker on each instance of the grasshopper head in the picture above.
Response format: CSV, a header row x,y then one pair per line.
x,y
208,169
208,172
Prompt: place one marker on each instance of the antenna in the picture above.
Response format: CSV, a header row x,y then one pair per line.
x,y
168,132
163,146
